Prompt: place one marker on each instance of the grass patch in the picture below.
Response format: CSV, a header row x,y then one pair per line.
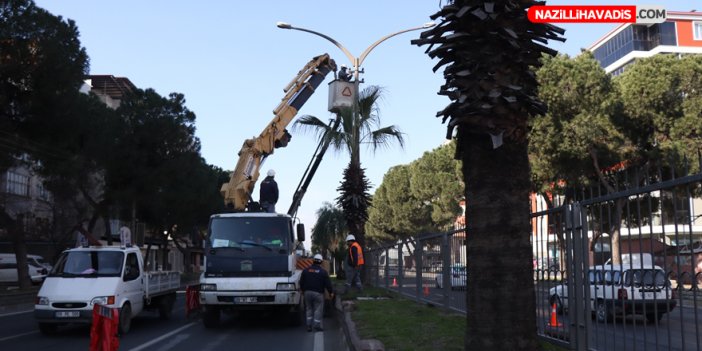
x,y
403,324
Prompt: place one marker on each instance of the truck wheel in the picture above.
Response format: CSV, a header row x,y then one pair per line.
x,y
125,319
210,318
165,306
48,328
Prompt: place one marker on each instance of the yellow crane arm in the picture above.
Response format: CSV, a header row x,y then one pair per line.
x,y
237,192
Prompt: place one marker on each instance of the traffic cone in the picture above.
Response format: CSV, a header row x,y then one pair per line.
x,y
394,282
554,319
426,290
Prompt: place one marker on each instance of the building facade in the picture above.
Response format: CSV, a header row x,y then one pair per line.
x,y
681,33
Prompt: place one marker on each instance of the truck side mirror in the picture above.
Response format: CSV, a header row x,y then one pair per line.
x,y
300,232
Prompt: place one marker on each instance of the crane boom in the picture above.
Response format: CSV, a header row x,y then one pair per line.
x,y
237,192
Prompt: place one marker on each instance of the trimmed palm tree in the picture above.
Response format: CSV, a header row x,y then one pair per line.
x,y
489,49
353,130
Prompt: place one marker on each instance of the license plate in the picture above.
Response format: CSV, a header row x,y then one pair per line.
x,y
67,314
252,299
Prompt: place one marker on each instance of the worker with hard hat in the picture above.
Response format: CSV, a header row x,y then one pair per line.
x,y
313,282
354,263
344,74
268,195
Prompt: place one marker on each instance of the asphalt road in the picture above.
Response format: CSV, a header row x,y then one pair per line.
x,y
18,331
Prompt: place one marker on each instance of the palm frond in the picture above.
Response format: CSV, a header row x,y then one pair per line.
x,y
381,138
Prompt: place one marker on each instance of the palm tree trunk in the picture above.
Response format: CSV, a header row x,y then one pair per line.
x,y
500,293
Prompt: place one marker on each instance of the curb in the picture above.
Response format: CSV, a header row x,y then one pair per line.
x,y
349,327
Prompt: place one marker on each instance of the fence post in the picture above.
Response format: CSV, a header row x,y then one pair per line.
x,y
578,289
446,269
418,251
387,268
400,267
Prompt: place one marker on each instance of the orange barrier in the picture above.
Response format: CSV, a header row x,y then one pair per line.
x,y
554,319
192,299
303,263
104,329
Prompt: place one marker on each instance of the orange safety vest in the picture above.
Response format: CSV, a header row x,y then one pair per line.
x,y
360,260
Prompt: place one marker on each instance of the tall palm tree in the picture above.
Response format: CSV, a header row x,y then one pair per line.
x,y
489,49
354,130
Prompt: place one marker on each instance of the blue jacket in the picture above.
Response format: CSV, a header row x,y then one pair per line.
x,y
315,278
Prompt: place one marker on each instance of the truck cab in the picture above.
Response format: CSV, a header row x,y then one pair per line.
x,y
250,264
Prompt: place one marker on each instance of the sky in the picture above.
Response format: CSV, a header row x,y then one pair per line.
x,y
231,62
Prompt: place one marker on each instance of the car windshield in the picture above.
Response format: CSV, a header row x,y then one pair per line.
x,y
250,233
89,263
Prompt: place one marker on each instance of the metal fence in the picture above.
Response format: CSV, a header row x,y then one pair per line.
x,y
430,269
619,268
613,270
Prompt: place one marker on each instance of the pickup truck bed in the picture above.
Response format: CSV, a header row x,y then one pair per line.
x,y
159,283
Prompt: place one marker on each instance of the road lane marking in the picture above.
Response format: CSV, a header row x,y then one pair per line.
x,y
318,341
18,335
144,346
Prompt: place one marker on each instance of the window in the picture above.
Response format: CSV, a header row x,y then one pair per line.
x,y
132,268
17,183
697,30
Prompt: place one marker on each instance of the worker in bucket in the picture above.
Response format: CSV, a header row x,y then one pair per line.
x,y
313,282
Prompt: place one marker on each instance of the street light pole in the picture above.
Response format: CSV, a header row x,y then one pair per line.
x,y
356,63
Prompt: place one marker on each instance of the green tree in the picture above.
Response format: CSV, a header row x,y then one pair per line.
x,y
432,202
397,214
686,132
329,232
354,130
157,152
489,49
661,98
41,69
436,179
580,137
82,137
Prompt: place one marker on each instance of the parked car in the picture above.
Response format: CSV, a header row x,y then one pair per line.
x,y
458,277
39,261
619,290
8,269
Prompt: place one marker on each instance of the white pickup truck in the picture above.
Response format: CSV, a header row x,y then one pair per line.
x,y
111,276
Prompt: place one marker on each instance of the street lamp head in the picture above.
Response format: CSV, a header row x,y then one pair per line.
x,y
284,25
425,25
